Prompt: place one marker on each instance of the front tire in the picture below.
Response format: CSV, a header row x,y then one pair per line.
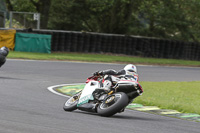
x,y
112,104
71,103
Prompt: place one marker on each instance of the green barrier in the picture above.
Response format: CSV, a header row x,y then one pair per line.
x,y
33,43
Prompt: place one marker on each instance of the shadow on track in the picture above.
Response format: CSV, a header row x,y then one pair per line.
x,y
128,117
117,116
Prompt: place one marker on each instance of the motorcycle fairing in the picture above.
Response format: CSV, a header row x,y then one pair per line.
x,y
87,92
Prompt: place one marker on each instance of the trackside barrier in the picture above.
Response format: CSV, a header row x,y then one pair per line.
x,y
27,42
69,41
7,38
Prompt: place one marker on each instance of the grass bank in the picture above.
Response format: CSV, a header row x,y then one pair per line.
x,y
181,96
101,58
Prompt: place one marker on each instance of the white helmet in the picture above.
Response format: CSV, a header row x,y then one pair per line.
x,y
130,68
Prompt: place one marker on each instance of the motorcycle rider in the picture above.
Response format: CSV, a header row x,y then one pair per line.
x,y
110,82
112,77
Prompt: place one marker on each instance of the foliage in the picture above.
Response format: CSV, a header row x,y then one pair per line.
x,y
107,16
23,6
41,6
171,19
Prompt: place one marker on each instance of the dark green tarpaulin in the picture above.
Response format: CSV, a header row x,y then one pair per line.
x,y
26,42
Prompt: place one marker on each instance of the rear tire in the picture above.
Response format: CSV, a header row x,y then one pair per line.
x,y
71,103
112,104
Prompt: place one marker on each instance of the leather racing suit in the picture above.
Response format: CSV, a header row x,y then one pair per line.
x,y
112,77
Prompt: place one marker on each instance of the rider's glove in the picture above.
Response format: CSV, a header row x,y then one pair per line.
x,y
98,73
95,74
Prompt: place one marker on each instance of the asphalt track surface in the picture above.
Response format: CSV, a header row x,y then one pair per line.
x,y
26,106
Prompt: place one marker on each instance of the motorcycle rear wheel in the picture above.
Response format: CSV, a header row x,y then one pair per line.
x,y
112,104
71,103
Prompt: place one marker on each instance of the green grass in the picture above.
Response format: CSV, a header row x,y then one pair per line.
x,y
100,58
181,96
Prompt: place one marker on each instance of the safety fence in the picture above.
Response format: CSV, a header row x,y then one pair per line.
x,y
7,38
25,42
69,41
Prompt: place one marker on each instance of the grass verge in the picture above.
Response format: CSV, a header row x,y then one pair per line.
x,y
101,58
181,96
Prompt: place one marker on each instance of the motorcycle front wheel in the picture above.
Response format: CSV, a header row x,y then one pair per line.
x,y
71,103
113,104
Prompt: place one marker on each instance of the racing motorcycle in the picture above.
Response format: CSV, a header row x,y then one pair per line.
x,y
95,99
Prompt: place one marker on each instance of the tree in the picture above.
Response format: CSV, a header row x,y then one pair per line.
x,y
40,6
171,19
2,10
108,16
43,7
